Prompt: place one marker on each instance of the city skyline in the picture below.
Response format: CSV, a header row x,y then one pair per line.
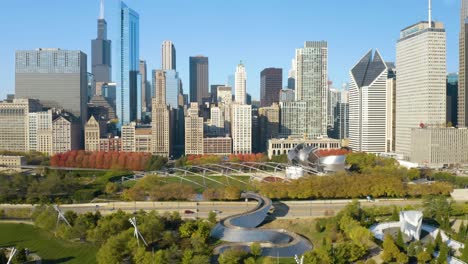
x,y
224,55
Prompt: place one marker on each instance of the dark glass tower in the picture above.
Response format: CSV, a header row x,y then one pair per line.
x,y
199,79
271,82
101,51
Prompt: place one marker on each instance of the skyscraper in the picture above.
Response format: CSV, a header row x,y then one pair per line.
x,y
241,129
58,78
145,87
101,51
127,79
367,104
463,73
268,124
168,55
193,131
241,84
271,82
421,81
312,85
292,75
199,79
452,99
161,141
390,109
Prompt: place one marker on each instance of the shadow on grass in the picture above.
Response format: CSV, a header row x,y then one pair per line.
x,y
11,243
57,261
280,210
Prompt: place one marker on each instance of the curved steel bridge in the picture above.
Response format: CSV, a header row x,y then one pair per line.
x,y
240,231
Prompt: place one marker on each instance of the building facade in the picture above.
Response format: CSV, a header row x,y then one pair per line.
x,y
281,146
199,80
312,85
463,71
58,78
271,82
65,135
452,99
367,104
92,135
221,146
193,131
168,55
269,125
241,129
421,81
241,84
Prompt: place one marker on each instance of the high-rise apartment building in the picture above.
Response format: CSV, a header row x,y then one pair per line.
x,y
193,131
463,73
199,80
367,104
168,55
101,51
241,85
241,128
341,121
312,85
293,119
58,78
128,66
271,82
421,81
390,109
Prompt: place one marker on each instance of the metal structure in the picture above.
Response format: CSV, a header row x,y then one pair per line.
x,y
308,157
299,260
13,252
136,232
60,216
241,230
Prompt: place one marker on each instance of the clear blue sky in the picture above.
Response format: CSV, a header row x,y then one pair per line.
x,y
261,33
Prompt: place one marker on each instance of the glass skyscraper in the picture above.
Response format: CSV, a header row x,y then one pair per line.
x,y
172,88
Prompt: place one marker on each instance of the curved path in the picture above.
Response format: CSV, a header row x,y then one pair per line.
x,y
240,230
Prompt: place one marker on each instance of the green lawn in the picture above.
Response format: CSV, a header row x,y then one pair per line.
x,y
49,248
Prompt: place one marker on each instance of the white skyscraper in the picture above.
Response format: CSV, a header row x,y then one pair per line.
x,y
367,104
168,55
241,128
312,85
421,81
241,85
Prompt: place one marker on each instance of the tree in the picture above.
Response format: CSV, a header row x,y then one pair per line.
x,y
438,241
390,250
20,256
212,217
443,254
3,258
395,214
460,236
116,249
423,257
256,250
414,174
200,259
111,188
400,242
464,252
250,261
232,193
187,257
232,256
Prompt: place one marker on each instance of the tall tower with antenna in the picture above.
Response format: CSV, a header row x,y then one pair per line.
x,y
101,50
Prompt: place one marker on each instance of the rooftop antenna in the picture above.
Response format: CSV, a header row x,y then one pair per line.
x,y
430,14
136,232
60,215
12,254
101,10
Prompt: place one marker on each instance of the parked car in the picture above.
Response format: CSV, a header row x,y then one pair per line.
x,y
217,211
189,212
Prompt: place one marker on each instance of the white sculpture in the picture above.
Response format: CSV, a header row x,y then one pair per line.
x,y
411,223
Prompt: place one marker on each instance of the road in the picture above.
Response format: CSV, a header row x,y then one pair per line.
x,y
287,209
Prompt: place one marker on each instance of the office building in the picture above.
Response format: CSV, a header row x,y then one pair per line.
x,y
271,82
224,95
172,88
294,120
193,131
14,123
463,72
452,99
367,104
168,56
281,146
110,144
312,85
341,121
241,128
143,137
58,78
92,135
269,125
128,62
145,87
65,134
128,137
199,80
390,108
216,124
214,92
221,146
160,126
241,84
101,58
421,81
12,163
292,75
40,131
287,95
439,147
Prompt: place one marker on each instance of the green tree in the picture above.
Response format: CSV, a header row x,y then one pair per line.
x,y
400,242
464,252
250,261
116,249
390,250
232,193
395,214
438,241
212,217
423,257
402,258
200,259
443,254
256,250
232,256
414,174
111,188
187,257
460,236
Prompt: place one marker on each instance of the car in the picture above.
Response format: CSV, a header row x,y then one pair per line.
x,y
217,211
189,212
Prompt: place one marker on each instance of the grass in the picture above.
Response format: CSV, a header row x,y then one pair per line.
x,y
304,227
52,250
